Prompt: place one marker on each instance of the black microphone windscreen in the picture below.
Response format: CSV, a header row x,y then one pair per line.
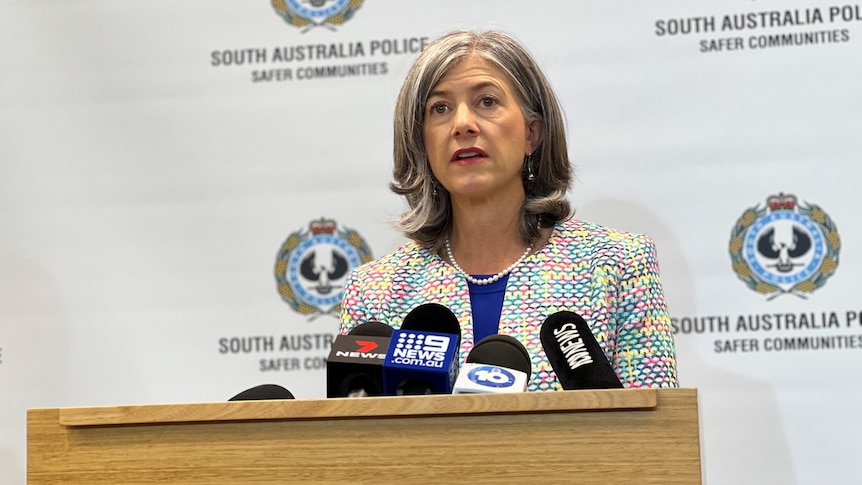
x,y
502,350
372,329
575,354
263,392
354,367
432,317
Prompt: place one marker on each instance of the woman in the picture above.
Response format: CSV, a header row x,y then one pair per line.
x,y
481,158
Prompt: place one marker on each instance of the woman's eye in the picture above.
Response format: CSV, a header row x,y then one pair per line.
x,y
488,101
438,108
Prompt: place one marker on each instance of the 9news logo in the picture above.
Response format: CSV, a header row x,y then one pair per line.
x,y
491,376
423,346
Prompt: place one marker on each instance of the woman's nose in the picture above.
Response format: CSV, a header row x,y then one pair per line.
x,y
464,122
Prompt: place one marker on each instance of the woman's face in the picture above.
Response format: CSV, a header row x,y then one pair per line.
x,y
475,133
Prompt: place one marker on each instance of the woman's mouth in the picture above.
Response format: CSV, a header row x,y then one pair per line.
x,y
468,156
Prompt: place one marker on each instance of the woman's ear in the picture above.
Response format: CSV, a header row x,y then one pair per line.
x,y
535,130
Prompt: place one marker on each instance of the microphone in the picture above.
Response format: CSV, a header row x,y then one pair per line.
x,y
422,354
354,367
372,329
263,392
574,353
497,364
433,317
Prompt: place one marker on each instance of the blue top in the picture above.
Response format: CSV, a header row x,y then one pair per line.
x,y
487,304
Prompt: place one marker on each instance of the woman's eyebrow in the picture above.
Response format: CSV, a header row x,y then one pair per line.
x,y
476,87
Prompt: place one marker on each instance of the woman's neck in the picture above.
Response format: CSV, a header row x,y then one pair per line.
x,y
486,238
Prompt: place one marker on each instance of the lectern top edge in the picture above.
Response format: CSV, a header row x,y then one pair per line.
x,y
390,407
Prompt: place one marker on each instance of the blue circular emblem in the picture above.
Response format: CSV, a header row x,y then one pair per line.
x,y
784,247
763,231
491,376
312,266
319,243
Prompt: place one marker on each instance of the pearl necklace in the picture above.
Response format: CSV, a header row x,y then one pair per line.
x,y
491,279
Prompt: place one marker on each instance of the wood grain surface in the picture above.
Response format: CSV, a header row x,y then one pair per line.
x,y
607,436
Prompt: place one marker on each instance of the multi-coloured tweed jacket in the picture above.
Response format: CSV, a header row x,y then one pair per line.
x,y
608,277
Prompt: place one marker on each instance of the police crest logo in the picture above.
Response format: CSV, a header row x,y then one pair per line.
x,y
784,247
307,14
312,266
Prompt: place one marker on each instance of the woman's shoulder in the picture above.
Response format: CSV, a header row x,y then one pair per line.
x,y
407,255
596,237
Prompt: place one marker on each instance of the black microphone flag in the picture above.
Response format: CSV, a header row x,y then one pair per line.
x,y
354,367
575,355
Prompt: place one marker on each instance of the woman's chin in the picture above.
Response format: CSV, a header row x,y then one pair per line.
x,y
477,192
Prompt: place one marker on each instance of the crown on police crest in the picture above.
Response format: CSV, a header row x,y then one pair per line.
x,y
781,201
322,226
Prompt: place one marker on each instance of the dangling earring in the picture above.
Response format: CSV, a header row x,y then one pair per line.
x,y
530,176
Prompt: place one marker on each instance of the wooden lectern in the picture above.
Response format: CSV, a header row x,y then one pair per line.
x,y
631,436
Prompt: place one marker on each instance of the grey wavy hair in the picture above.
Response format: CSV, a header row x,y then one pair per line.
x,y
429,217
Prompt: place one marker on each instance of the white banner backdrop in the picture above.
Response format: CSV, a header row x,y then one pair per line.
x,y
163,163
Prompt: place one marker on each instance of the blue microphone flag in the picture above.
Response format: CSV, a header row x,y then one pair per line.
x,y
420,362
